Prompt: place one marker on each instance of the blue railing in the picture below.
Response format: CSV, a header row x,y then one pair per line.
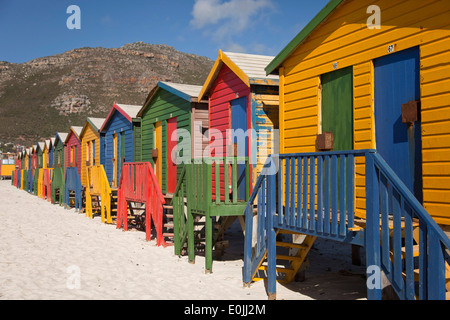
x,y
404,257
19,179
314,194
30,181
73,183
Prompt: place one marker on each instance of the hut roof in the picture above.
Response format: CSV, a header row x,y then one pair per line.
x,y
127,110
248,67
61,136
187,92
75,130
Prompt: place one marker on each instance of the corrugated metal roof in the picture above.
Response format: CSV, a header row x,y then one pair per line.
x,y
252,65
131,110
188,89
97,122
77,130
62,136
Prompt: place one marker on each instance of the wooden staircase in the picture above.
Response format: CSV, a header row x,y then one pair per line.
x,y
291,257
168,225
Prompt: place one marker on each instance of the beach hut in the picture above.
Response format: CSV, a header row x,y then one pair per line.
x,y
51,151
41,156
32,168
390,98
72,185
364,97
118,130
169,126
92,145
47,171
169,110
93,177
243,117
58,179
243,97
7,165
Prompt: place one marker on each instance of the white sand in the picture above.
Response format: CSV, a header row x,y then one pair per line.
x,y
41,243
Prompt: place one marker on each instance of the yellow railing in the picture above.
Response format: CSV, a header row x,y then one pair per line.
x,y
98,185
40,193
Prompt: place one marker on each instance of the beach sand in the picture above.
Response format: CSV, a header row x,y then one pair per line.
x,y
50,253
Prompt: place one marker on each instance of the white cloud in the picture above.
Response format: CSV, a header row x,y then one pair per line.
x,y
222,21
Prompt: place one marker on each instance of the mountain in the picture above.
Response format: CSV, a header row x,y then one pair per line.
x,y
49,94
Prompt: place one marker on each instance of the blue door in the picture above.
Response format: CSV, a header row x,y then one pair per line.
x,y
239,121
397,81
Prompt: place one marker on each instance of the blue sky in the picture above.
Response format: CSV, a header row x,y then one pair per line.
x,y
37,28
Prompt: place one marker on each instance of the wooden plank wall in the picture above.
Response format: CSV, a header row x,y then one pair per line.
x,y
117,124
163,106
73,141
265,103
90,135
227,87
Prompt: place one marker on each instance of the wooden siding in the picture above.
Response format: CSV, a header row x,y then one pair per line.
x,y
163,106
199,118
90,135
117,124
73,141
265,102
58,147
227,87
345,40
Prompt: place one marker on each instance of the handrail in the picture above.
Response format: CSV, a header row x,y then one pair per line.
x,y
46,183
413,202
179,218
253,255
40,192
73,183
58,181
138,183
313,193
30,181
392,208
210,180
98,184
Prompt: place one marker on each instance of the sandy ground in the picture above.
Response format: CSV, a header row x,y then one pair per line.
x,y
50,253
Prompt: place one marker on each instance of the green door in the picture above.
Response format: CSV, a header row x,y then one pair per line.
x,y
337,117
337,107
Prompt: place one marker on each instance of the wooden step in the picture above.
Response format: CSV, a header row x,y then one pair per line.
x,y
290,258
279,269
171,235
415,251
291,245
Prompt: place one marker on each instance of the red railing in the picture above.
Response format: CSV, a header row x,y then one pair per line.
x,y
47,184
138,183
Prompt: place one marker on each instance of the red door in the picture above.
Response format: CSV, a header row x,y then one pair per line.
x,y
171,155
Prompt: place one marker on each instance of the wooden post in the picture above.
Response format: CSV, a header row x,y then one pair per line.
x,y
207,171
271,253
373,256
190,218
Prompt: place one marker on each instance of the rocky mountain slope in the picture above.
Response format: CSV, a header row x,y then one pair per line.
x,y
46,95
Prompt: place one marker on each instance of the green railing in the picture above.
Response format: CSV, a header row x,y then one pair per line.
x,y
210,187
